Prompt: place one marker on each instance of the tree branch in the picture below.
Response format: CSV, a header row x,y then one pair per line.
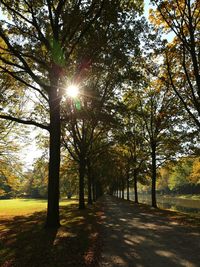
x,y
24,82
179,95
87,27
28,122
22,60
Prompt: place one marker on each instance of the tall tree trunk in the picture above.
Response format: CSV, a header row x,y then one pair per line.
x,y
93,190
52,219
89,184
135,185
98,189
89,200
117,191
153,176
127,184
122,188
81,183
119,188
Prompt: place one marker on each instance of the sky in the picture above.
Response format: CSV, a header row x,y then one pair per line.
x,y
146,8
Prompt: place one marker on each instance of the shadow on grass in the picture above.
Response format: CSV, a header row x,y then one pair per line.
x,y
25,241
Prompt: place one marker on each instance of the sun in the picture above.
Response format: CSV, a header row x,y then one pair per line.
x,y
72,90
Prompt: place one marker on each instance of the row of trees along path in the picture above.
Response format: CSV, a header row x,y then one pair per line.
x,y
45,45
135,235
40,41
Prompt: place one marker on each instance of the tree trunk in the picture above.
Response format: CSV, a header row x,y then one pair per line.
x,y
127,185
52,219
122,188
89,184
135,186
93,190
98,189
153,176
117,189
81,183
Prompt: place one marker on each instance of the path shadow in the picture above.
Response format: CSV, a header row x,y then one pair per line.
x,y
138,236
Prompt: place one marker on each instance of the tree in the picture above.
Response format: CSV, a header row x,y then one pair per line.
x,y
182,55
87,120
11,173
134,139
195,173
10,163
35,182
68,176
180,174
159,113
94,107
163,179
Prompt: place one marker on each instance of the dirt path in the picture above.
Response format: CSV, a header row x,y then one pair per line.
x,y
136,236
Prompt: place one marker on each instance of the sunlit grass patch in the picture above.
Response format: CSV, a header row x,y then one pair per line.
x,y
64,202
20,207
190,196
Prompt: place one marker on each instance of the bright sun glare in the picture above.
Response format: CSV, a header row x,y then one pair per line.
x,y
72,90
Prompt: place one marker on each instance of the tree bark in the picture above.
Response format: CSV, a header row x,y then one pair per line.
x,y
98,189
153,176
93,190
122,188
81,183
135,186
127,185
117,188
52,219
89,184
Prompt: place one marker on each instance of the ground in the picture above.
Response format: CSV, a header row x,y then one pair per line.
x,y
137,235
24,242
110,233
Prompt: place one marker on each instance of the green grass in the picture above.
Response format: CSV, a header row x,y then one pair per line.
x,y
188,196
193,197
18,206
25,242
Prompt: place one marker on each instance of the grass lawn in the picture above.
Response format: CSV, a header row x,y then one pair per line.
x,y
19,206
193,197
25,242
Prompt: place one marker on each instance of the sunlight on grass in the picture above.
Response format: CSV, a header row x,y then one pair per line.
x,y
193,197
19,207
65,202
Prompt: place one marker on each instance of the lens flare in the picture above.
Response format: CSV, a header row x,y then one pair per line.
x,y
72,90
